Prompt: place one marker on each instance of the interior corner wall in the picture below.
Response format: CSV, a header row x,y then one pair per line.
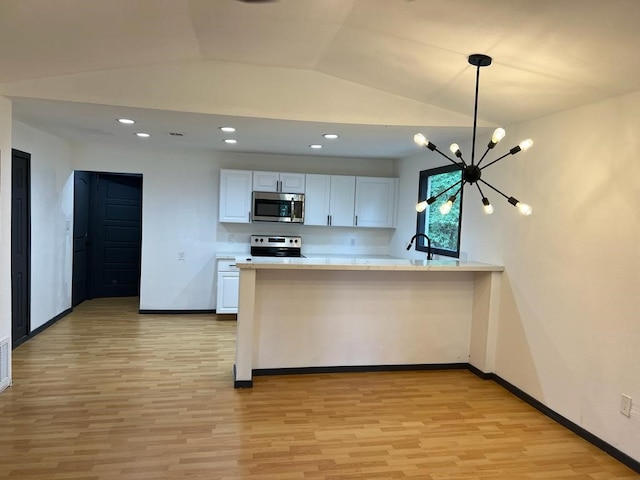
x,y
5,216
569,325
179,214
51,221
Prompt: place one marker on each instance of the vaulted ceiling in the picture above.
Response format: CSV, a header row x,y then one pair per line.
x,y
286,70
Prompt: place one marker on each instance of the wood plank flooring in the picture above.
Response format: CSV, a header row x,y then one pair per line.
x,y
108,394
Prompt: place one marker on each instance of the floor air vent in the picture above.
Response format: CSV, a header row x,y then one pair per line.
x,y
4,363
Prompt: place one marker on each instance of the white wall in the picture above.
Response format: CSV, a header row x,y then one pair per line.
x,y
5,219
180,213
569,328
51,221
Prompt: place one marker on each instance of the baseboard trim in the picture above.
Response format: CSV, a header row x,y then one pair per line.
x,y
42,327
175,312
480,373
357,368
622,457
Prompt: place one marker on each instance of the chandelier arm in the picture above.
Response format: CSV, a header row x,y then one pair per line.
x,y
460,165
483,155
448,188
494,188
458,191
496,160
479,189
475,116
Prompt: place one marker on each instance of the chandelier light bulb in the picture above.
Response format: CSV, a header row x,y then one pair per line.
x,y
421,207
524,209
420,139
488,208
498,134
526,144
455,148
446,207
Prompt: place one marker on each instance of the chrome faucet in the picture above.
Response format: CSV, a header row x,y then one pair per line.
x,y
413,239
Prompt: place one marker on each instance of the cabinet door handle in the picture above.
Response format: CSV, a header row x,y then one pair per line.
x,y
356,220
328,219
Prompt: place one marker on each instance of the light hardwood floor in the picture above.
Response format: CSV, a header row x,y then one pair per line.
x,y
108,394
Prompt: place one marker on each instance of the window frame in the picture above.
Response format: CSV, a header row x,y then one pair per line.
x,y
421,244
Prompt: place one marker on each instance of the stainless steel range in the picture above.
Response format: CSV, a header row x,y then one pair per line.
x,y
276,246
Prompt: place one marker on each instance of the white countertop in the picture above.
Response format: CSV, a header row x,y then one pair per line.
x,y
360,263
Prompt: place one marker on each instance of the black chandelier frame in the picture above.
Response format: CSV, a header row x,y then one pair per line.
x,y
472,172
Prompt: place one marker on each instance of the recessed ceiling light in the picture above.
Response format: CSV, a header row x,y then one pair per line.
x,y
315,145
126,121
227,129
143,135
230,140
330,136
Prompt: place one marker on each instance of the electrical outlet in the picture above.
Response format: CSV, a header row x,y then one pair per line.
x,y
625,405
181,255
231,238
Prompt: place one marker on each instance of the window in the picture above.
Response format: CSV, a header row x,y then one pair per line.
x,y
443,230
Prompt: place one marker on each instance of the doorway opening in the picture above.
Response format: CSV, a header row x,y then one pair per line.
x,y
107,235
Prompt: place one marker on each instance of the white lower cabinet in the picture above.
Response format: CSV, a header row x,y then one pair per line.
x,y
228,287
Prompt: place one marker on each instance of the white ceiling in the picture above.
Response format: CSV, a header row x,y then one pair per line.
x,y
548,56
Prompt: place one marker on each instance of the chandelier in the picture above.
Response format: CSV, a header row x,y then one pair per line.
x,y
472,172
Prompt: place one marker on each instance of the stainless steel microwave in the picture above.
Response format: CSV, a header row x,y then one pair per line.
x,y
277,207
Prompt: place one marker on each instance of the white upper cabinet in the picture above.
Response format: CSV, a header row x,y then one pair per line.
x,y
235,196
376,200
343,189
329,200
279,182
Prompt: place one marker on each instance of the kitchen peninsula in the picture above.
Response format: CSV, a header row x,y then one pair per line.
x,y
305,314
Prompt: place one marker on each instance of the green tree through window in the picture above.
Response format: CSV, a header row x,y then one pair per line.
x,y
443,230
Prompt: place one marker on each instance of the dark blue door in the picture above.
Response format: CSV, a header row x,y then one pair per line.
x,y
117,224
20,247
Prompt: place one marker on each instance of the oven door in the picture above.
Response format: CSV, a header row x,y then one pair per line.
x,y
277,207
